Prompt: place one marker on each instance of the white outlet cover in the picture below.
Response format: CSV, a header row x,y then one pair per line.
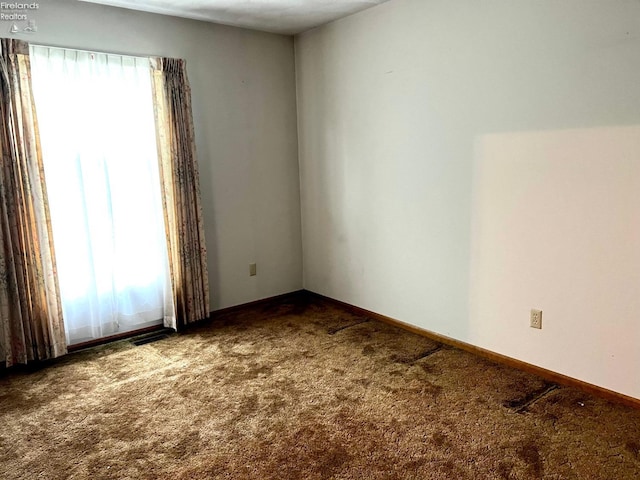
x,y
536,319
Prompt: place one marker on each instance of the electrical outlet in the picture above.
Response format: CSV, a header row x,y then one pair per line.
x,y
536,319
252,269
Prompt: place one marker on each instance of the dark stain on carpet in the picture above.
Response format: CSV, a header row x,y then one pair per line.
x,y
185,444
633,447
530,454
439,439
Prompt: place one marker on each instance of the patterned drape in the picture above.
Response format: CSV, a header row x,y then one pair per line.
x,y
31,326
181,190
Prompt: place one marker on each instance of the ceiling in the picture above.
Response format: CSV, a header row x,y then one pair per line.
x,y
277,16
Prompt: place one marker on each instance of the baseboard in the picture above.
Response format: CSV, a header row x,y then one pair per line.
x,y
493,356
256,303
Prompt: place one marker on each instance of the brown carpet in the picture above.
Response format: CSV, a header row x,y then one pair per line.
x,y
299,389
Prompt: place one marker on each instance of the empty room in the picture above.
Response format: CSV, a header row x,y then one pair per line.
x,y
320,239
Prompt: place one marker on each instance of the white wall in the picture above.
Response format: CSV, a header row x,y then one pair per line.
x,y
243,89
463,162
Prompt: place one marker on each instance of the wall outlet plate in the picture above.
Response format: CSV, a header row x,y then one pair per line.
x,y
252,269
536,319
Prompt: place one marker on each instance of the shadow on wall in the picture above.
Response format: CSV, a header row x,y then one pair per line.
x,y
556,227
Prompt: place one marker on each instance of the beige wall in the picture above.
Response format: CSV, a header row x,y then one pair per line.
x,y
243,87
463,162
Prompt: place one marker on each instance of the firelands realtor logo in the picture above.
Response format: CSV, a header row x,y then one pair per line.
x,y
19,15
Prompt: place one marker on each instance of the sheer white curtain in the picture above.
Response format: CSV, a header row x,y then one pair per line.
x,y
101,166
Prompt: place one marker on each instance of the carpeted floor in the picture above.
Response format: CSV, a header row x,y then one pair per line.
x,y
300,389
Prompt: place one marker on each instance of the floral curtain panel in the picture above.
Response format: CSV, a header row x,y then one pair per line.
x,y
31,325
181,190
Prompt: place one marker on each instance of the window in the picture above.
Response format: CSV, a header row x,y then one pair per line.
x,y
96,120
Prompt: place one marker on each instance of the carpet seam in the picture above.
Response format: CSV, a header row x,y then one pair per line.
x,y
536,398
